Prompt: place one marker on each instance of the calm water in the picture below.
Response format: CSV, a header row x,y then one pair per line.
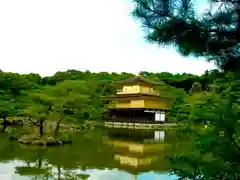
x,y
104,154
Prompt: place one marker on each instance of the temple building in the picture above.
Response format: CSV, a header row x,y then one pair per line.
x,y
137,102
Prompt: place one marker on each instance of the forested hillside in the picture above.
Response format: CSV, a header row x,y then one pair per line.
x,y
74,97
18,92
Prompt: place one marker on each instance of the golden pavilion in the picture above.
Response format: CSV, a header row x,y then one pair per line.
x,y
137,102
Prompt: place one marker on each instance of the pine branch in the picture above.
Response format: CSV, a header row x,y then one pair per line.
x,y
230,136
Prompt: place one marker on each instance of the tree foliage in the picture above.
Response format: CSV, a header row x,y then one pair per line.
x,y
214,34
216,148
23,92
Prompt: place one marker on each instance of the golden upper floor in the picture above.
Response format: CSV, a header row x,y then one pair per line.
x,y
131,89
159,103
137,92
136,84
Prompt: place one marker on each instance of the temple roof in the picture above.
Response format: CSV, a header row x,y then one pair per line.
x,y
134,95
137,80
131,95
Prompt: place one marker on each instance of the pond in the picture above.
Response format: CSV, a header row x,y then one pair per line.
x,y
102,154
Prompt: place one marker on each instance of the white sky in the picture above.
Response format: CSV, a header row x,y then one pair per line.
x,y
46,36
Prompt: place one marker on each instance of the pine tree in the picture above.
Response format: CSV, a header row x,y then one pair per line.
x,y
214,35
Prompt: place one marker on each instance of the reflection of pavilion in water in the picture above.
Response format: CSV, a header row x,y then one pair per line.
x,y
137,150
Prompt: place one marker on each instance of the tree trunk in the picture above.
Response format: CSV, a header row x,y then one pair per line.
x,y
58,123
39,162
28,163
4,124
57,128
41,123
59,172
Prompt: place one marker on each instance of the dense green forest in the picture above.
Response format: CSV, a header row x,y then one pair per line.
x,y
76,96
33,95
18,92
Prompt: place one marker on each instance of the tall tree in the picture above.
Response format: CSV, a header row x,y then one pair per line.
x,y
216,149
6,110
214,35
68,103
38,110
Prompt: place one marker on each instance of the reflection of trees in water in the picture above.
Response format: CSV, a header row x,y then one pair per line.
x,y
139,135
88,151
68,175
39,168
134,135
142,150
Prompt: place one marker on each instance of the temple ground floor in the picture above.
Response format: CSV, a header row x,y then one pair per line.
x,y
141,115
